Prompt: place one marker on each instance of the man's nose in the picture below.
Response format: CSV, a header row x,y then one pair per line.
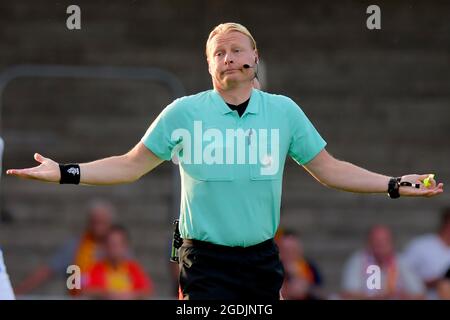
x,y
228,59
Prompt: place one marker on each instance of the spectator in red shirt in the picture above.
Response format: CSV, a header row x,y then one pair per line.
x,y
302,279
118,276
83,251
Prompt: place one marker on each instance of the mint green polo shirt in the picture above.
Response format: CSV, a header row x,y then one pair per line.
x,y
231,167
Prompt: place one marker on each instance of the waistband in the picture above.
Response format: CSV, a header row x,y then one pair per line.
x,y
208,245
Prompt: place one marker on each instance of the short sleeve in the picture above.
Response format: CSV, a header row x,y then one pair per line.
x,y
306,142
158,137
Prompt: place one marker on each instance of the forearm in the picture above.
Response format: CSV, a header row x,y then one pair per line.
x,y
109,171
346,176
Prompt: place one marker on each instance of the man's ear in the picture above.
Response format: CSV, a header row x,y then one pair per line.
x,y
209,66
256,56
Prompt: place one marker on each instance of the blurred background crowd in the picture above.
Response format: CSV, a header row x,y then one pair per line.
x,y
110,269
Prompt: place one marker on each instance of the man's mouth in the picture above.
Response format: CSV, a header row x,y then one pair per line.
x,y
230,71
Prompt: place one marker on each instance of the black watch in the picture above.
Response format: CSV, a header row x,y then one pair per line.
x,y
394,187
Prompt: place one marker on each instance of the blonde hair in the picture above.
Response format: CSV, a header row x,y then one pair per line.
x,y
229,27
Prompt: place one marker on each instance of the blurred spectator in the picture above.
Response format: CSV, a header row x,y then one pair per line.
x,y
6,292
174,271
429,255
117,276
83,251
443,287
302,279
397,281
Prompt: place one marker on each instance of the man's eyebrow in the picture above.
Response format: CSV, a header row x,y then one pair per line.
x,y
218,48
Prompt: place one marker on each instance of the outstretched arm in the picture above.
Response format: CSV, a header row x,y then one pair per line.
x,y
345,176
113,170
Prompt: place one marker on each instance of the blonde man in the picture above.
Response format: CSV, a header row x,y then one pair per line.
x,y
234,141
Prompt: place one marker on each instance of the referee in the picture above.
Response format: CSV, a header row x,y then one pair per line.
x,y
231,143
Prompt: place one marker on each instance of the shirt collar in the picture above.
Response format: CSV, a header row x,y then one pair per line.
x,y
253,105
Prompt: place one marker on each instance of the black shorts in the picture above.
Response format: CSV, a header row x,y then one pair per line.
x,y
215,272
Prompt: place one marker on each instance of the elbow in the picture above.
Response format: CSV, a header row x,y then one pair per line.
x,y
132,171
326,184
322,179
131,176
325,169
135,178
329,176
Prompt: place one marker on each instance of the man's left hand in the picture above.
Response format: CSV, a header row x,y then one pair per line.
x,y
432,190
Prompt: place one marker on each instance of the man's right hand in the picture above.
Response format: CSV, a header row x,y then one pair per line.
x,y
48,170
113,170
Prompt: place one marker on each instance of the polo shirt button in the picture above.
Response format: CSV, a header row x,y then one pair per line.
x,y
266,161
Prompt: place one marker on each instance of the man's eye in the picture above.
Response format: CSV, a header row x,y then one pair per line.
x,y
218,54
237,50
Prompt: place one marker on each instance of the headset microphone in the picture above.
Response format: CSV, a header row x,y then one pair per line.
x,y
247,66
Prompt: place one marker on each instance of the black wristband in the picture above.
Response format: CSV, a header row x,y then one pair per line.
x,y
394,187
70,173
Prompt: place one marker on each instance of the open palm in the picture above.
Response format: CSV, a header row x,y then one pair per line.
x,y
48,170
432,190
